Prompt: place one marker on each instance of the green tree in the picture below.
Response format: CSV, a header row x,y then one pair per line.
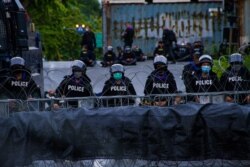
x,y
56,20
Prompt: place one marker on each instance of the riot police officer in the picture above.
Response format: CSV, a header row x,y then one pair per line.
x,y
160,81
88,56
190,70
129,57
118,85
236,78
78,84
109,57
160,49
205,80
138,53
20,85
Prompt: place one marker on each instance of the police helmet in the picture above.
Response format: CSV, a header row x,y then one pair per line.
x,y
160,60
117,68
206,59
110,48
236,58
127,49
17,61
79,65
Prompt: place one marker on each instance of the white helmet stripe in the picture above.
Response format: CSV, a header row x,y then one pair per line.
x,y
17,61
160,59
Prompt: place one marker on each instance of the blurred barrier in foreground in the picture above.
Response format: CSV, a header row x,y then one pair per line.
x,y
187,135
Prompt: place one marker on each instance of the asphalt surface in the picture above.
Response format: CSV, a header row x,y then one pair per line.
x,y
55,71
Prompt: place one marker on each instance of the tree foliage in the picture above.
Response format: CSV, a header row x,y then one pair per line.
x,y
56,20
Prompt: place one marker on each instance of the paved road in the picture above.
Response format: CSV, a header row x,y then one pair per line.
x,y
55,71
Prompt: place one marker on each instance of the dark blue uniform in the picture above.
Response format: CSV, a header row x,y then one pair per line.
x,y
160,84
122,87
236,81
75,87
109,58
23,88
88,57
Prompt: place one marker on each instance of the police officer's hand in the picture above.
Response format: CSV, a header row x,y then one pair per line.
x,y
229,99
160,103
247,99
51,93
55,106
197,99
30,97
177,100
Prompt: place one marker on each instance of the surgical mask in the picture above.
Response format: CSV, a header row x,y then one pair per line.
x,y
77,74
117,76
236,67
205,69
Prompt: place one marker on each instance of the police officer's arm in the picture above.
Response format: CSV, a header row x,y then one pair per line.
x,y
131,89
89,89
60,90
223,81
34,90
106,89
172,86
148,86
193,87
187,76
217,84
225,86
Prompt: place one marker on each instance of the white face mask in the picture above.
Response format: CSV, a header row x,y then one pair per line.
x,y
77,74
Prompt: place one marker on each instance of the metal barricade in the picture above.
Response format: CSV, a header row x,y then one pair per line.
x,y
9,106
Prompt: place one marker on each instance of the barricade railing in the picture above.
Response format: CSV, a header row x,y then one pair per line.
x,y
8,106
